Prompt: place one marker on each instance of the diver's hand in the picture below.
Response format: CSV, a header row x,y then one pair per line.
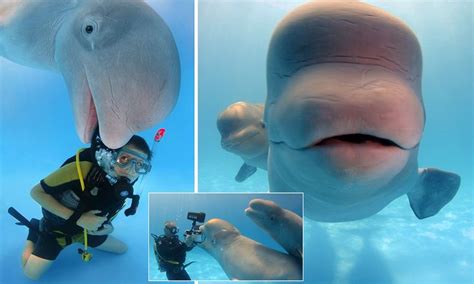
x,y
189,241
107,229
91,221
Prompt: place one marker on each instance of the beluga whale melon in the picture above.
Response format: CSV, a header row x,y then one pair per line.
x,y
344,113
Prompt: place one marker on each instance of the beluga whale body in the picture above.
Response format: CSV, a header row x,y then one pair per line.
x,y
243,133
344,113
118,58
243,258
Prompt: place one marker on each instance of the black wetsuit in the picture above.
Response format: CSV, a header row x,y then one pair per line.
x,y
64,186
170,253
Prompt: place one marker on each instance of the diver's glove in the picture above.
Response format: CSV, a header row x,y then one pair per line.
x,y
133,207
189,241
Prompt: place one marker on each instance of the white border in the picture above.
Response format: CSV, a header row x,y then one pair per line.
x,y
227,193
148,237
196,102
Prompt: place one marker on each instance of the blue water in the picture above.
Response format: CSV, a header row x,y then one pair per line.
x,y
38,134
229,207
392,246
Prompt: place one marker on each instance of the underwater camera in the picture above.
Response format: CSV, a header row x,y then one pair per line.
x,y
195,217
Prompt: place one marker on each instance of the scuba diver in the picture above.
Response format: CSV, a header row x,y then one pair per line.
x,y
170,252
80,200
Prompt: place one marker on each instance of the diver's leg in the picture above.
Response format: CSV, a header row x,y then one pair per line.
x,y
184,275
43,253
170,275
29,246
111,244
35,266
31,239
177,273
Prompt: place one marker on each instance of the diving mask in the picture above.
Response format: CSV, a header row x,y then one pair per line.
x,y
173,230
126,158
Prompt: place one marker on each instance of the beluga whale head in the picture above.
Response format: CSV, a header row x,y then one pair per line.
x,y
121,66
243,133
344,109
241,129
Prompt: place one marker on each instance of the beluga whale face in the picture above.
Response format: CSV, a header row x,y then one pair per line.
x,y
344,113
118,58
243,133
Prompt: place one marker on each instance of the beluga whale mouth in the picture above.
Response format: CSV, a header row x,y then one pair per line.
x,y
357,138
90,117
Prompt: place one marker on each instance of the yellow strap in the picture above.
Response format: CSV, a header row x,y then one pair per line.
x,y
166,260
83,187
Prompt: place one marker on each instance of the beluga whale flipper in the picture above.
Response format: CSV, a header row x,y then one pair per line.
x,y
243,133
118,58
344,113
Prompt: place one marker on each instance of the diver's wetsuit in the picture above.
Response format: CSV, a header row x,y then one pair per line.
x,y
170,254
64,186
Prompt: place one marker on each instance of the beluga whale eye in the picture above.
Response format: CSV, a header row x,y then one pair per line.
x,y
89,36
89,29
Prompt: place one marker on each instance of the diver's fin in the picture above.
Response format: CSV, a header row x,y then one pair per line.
x,y
245,172
435,188
188,264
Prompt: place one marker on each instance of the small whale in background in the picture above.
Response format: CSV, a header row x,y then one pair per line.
x,y
118,58
344,113
243,133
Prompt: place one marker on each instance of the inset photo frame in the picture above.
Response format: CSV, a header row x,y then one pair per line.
x,y
225,236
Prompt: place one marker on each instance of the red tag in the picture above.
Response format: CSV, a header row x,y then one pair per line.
x,y
159,134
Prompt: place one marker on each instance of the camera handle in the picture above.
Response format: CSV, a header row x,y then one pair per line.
x,y
190,232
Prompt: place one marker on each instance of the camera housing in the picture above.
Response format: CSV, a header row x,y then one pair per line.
x,y
197,217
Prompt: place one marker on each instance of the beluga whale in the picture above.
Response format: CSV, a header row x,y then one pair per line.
x,y
243,133
243,258
118,58
344,113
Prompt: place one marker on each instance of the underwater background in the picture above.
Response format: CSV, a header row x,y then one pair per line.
x,y
38,135
229,207
392,246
